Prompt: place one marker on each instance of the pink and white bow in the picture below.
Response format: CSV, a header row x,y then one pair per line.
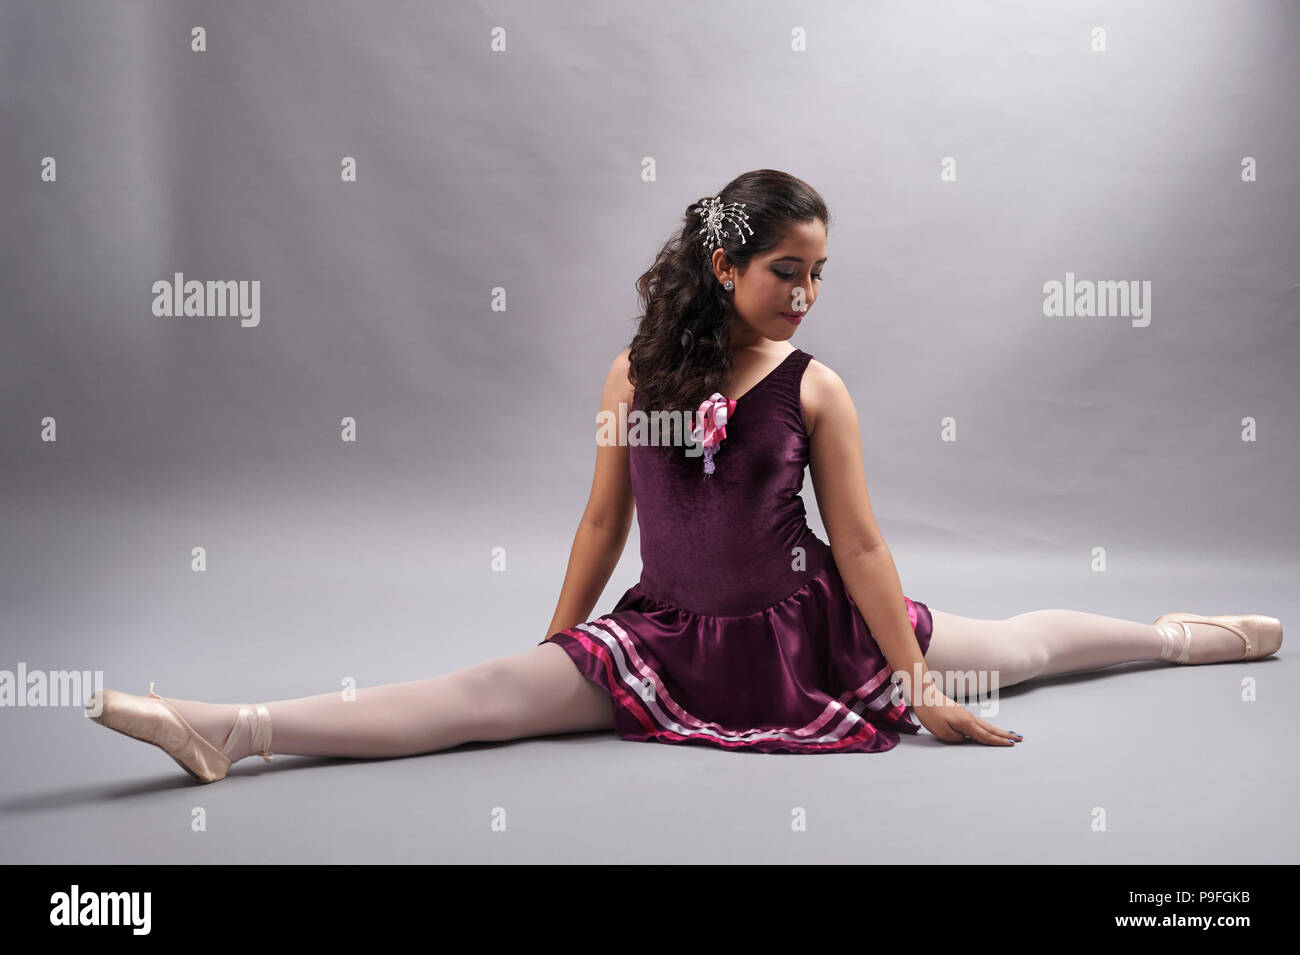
x,y
712,427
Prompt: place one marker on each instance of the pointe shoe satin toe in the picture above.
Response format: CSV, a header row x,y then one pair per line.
x,y
152,719
1261,636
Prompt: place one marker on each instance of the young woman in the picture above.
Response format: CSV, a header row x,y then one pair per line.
x,y
745,631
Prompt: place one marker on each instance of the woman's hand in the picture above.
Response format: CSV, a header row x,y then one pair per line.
x,y
953,723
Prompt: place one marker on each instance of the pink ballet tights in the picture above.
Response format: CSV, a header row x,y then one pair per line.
x,y
1050,642
537,692
540,692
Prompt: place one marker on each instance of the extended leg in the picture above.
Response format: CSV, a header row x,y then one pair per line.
x,y
1050,642
535,693
1035,643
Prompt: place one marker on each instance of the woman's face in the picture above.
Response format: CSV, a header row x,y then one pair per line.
x,y
779,285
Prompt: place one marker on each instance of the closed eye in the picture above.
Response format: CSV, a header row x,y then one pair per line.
x,y
816,275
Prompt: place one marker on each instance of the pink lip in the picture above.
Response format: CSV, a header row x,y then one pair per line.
x,y
793,318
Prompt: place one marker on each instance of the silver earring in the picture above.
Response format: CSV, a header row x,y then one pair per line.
x,y
728,285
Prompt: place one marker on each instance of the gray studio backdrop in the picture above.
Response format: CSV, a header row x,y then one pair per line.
x,y
535,155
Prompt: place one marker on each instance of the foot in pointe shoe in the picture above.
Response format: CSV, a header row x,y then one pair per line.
x,y
1256,636
153,720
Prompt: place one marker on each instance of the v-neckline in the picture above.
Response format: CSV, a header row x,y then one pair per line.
x,y
762,381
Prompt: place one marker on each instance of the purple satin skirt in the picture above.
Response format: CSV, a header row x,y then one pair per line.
x,y
804,675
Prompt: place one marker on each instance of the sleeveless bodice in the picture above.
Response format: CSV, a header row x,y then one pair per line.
x,y
735,541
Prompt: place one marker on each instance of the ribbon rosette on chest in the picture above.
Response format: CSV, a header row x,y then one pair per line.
x,y
712,425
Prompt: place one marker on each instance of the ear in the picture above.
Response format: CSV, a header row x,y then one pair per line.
x,y
722,269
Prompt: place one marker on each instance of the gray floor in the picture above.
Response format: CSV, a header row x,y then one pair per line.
x,y
1182,768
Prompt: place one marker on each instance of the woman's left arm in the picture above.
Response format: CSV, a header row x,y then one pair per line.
x,y
864,562
860,552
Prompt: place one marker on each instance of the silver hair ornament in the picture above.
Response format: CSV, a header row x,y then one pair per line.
x,y
717,214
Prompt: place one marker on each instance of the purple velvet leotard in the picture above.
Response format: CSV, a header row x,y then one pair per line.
x,y
740,633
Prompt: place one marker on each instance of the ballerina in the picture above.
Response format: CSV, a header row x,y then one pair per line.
x,y
745,631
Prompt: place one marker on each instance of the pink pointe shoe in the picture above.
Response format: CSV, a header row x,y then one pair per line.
x,y
1261,635
153,720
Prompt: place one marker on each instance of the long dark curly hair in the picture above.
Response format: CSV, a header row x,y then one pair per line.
x,y
681,352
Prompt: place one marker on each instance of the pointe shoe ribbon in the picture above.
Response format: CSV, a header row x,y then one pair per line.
x,y
1261,635
259,733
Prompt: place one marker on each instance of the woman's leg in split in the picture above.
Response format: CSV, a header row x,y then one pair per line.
x,y
535,693
1050,642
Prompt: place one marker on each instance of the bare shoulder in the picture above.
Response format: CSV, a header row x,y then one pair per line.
x,y
616,382
822,393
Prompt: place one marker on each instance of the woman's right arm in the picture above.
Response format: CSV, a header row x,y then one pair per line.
x,y
602,532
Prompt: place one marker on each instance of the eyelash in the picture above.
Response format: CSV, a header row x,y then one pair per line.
x,y
816,275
